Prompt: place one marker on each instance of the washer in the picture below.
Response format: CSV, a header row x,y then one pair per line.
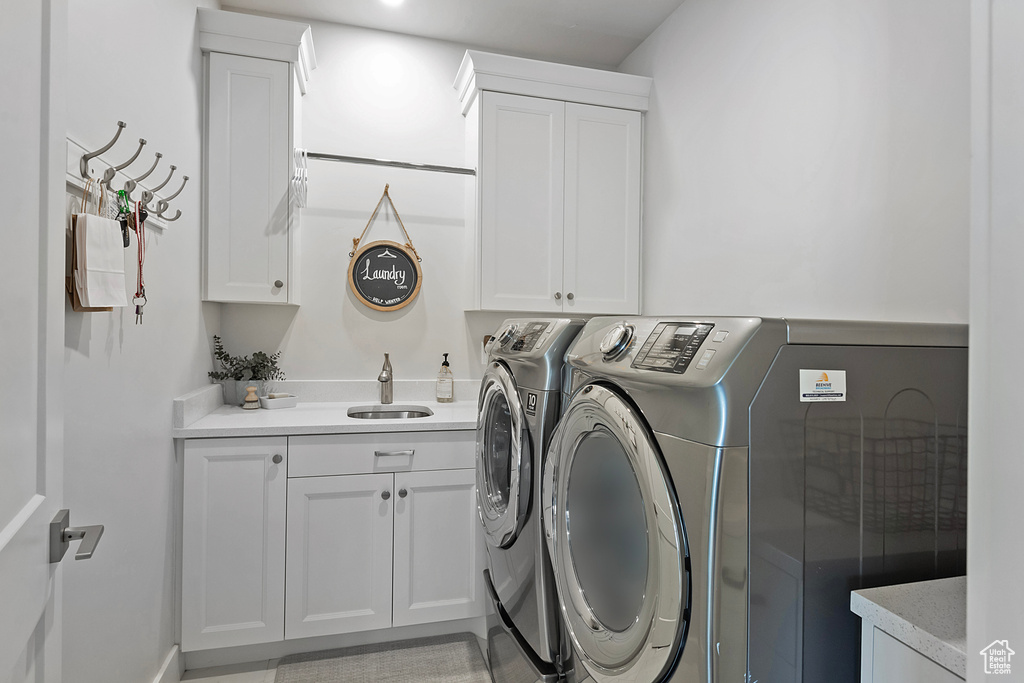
x,y
716,487
520,400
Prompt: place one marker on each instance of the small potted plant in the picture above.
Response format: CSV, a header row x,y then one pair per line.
x,y
238,372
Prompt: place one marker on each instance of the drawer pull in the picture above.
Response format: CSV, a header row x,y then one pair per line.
x,y
381,454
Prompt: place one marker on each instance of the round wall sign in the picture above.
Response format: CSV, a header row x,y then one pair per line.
x,y
384,275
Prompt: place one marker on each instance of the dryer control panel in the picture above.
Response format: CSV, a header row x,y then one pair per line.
x,y
528,337
672,346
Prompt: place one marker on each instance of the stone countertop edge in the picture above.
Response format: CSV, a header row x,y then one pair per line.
x,y
324,418
928,616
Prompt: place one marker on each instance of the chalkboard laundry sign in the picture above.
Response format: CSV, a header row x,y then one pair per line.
x,y
384,275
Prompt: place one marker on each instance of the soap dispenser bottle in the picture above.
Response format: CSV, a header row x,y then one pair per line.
x,y
445,383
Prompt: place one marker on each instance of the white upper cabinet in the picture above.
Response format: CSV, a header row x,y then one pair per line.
x,y
256,70
601,225
559,153
521,203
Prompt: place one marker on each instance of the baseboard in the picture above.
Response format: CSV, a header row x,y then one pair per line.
x,y
202,659
173,667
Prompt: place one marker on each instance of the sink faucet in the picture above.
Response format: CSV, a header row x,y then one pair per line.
x,y
385,377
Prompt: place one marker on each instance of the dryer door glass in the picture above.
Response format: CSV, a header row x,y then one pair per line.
x,y
607,529
617,541
503,458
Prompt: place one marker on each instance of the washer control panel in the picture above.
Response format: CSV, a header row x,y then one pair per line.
x,y
671,347
527,338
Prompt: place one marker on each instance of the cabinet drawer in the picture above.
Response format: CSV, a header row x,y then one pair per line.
x,y
329,454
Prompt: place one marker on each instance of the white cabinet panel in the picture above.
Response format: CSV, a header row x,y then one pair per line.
x,y
339,554
603,159
233,542
559,188
436,558
891,661
522,157
249,216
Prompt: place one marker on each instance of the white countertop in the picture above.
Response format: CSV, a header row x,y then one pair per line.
x,y
324,418
928,616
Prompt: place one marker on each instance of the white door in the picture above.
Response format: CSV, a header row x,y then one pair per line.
x,y
437,572
521,169
603,158
339,554
31,334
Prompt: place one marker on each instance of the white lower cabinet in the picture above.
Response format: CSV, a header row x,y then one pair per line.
x,y
381,532
233,540
339,554
436,577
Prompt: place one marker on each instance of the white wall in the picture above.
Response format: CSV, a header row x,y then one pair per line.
x,y
385,96
807,158
995,553
140,65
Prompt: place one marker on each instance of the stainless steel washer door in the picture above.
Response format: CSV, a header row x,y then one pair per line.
x,y
503,460
617,541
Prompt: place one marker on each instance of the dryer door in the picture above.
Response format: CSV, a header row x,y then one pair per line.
x,y
503,459
617,541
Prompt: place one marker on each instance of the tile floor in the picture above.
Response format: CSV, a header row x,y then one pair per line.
x,y
253,672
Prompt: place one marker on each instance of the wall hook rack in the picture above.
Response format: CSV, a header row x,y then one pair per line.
x,y
132,183
111,171
84,163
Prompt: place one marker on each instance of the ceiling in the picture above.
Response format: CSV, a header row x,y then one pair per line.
x,y
596,33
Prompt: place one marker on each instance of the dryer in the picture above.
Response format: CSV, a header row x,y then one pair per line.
x,y
716,487
519,404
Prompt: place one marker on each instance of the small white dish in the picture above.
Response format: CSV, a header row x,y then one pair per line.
x,y
288,401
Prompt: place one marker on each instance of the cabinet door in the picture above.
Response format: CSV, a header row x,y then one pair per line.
x,y
339,554
233,535
603,159
521,169
248,153
437,566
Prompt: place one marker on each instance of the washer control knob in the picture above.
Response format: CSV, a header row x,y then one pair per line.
x,y
507,334
616,341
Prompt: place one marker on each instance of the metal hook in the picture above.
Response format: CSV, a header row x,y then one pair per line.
x,y
183,181
108,175
148,195
83,164
164,218
129,186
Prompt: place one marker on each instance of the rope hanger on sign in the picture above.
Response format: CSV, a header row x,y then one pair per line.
x,y
408,240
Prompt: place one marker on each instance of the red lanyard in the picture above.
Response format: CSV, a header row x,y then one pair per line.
x,y
140,239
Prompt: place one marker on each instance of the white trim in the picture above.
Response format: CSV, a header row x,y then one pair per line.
x,y
255,36
501,73
172,668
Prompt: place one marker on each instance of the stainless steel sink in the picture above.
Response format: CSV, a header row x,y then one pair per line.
x,y
389,412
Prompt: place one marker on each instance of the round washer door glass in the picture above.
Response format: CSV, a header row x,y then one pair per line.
x,y
503,458
617,541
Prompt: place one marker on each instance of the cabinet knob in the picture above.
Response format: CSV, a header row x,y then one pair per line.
x,y
569,296
385,495
277,459
402,493
278,283
558,295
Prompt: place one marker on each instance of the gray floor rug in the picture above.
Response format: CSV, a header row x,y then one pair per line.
x,y
441,659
